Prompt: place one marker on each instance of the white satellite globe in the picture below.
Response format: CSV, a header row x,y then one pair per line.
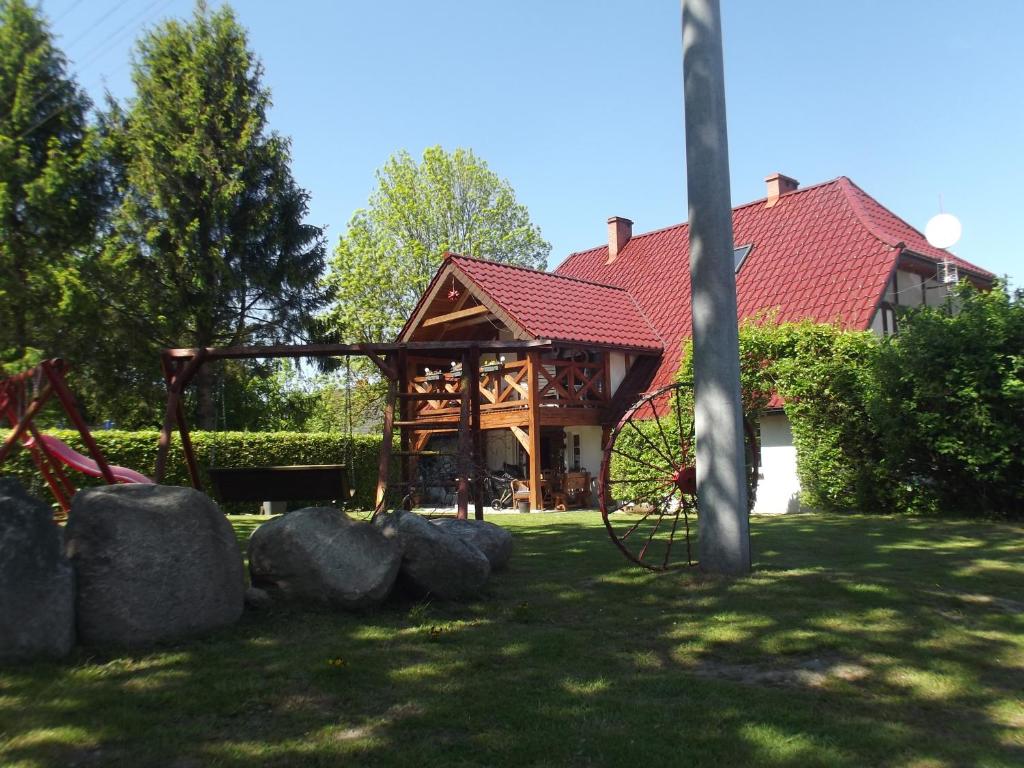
x,y
943,230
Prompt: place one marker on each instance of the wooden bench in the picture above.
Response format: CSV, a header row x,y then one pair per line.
x,y
279,484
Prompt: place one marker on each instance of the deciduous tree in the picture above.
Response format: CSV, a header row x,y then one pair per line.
x,y
446,202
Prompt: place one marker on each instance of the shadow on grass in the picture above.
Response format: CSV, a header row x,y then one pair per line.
x,y
857,641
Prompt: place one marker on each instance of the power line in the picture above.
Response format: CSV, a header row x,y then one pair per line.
x,y
117,5
47,40
105,46
67,10
147,12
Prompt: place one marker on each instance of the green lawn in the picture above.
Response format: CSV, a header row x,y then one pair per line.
x,y
858,642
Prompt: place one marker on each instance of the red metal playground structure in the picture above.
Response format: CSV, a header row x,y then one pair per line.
x,y
22,397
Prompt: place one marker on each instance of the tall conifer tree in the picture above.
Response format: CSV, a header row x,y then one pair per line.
x,y
208,242
51,189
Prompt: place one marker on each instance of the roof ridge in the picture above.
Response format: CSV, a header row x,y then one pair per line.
x,y
537,271
857,206
687,222
646,319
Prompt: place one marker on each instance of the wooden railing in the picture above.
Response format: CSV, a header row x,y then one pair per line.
x,y
575,384
563,383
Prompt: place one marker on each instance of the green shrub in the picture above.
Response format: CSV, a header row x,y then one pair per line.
x,y
137,450
929,420
823,373
950,398
826,377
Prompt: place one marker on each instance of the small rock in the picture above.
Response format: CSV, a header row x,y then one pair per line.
x,y
493,540
37,596
320,555
433,561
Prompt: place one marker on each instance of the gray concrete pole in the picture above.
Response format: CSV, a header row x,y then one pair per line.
x,y
721,488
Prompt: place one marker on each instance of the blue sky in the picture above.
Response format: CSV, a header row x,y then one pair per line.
x,y
579,104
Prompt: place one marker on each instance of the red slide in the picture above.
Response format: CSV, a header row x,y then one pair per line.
x,y
72,458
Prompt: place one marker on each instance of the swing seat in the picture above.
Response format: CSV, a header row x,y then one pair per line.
x,y
286,483
72,458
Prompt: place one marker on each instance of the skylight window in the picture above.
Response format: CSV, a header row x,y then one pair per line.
x,y
739,255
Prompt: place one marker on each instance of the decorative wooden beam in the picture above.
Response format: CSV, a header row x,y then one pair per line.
x,y
523,437
386,368
480,309
472,321
341,350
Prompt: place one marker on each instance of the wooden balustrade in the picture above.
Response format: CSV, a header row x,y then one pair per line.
x,y
565,383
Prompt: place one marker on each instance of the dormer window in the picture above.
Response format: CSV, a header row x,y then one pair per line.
x,y
739,255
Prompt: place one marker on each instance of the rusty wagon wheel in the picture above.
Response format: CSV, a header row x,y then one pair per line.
x,y
648,481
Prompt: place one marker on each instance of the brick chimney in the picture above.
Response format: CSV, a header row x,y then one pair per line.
x,y
620,230
778,185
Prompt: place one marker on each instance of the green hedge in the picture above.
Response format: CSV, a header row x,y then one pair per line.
x,y
929,420
137,450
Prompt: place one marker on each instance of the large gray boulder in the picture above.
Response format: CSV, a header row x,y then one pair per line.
x,y
320,555
493,540
153,563
37,592
434,562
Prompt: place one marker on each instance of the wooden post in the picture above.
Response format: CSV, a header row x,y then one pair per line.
x,y
177,380
465,440
404,414
384,462
186,447
477,441
532,364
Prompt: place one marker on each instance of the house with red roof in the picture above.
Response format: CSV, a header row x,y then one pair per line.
x,y
610,323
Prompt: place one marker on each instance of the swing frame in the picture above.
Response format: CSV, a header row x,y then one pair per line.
x,y
180,367
21,412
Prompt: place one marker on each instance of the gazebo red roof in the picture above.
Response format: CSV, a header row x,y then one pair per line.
x,y
562,308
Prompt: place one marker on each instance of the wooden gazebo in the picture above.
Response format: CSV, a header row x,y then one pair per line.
x,y
408,403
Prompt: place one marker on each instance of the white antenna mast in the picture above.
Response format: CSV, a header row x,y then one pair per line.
x,y
943,231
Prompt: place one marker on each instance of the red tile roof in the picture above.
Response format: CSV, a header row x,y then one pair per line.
x,y
824,252
562,308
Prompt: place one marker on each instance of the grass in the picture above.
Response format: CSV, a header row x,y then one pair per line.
x,y
858,641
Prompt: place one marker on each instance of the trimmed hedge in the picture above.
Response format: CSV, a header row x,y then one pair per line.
x,y
137,450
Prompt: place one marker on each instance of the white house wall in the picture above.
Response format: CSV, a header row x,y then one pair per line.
x,y
616,369
590,448
778,488
908,289
501,448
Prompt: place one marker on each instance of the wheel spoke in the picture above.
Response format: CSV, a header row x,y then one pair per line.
x,y
649,441
661,431
672,535
642,461
661,516
661,479
636,525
